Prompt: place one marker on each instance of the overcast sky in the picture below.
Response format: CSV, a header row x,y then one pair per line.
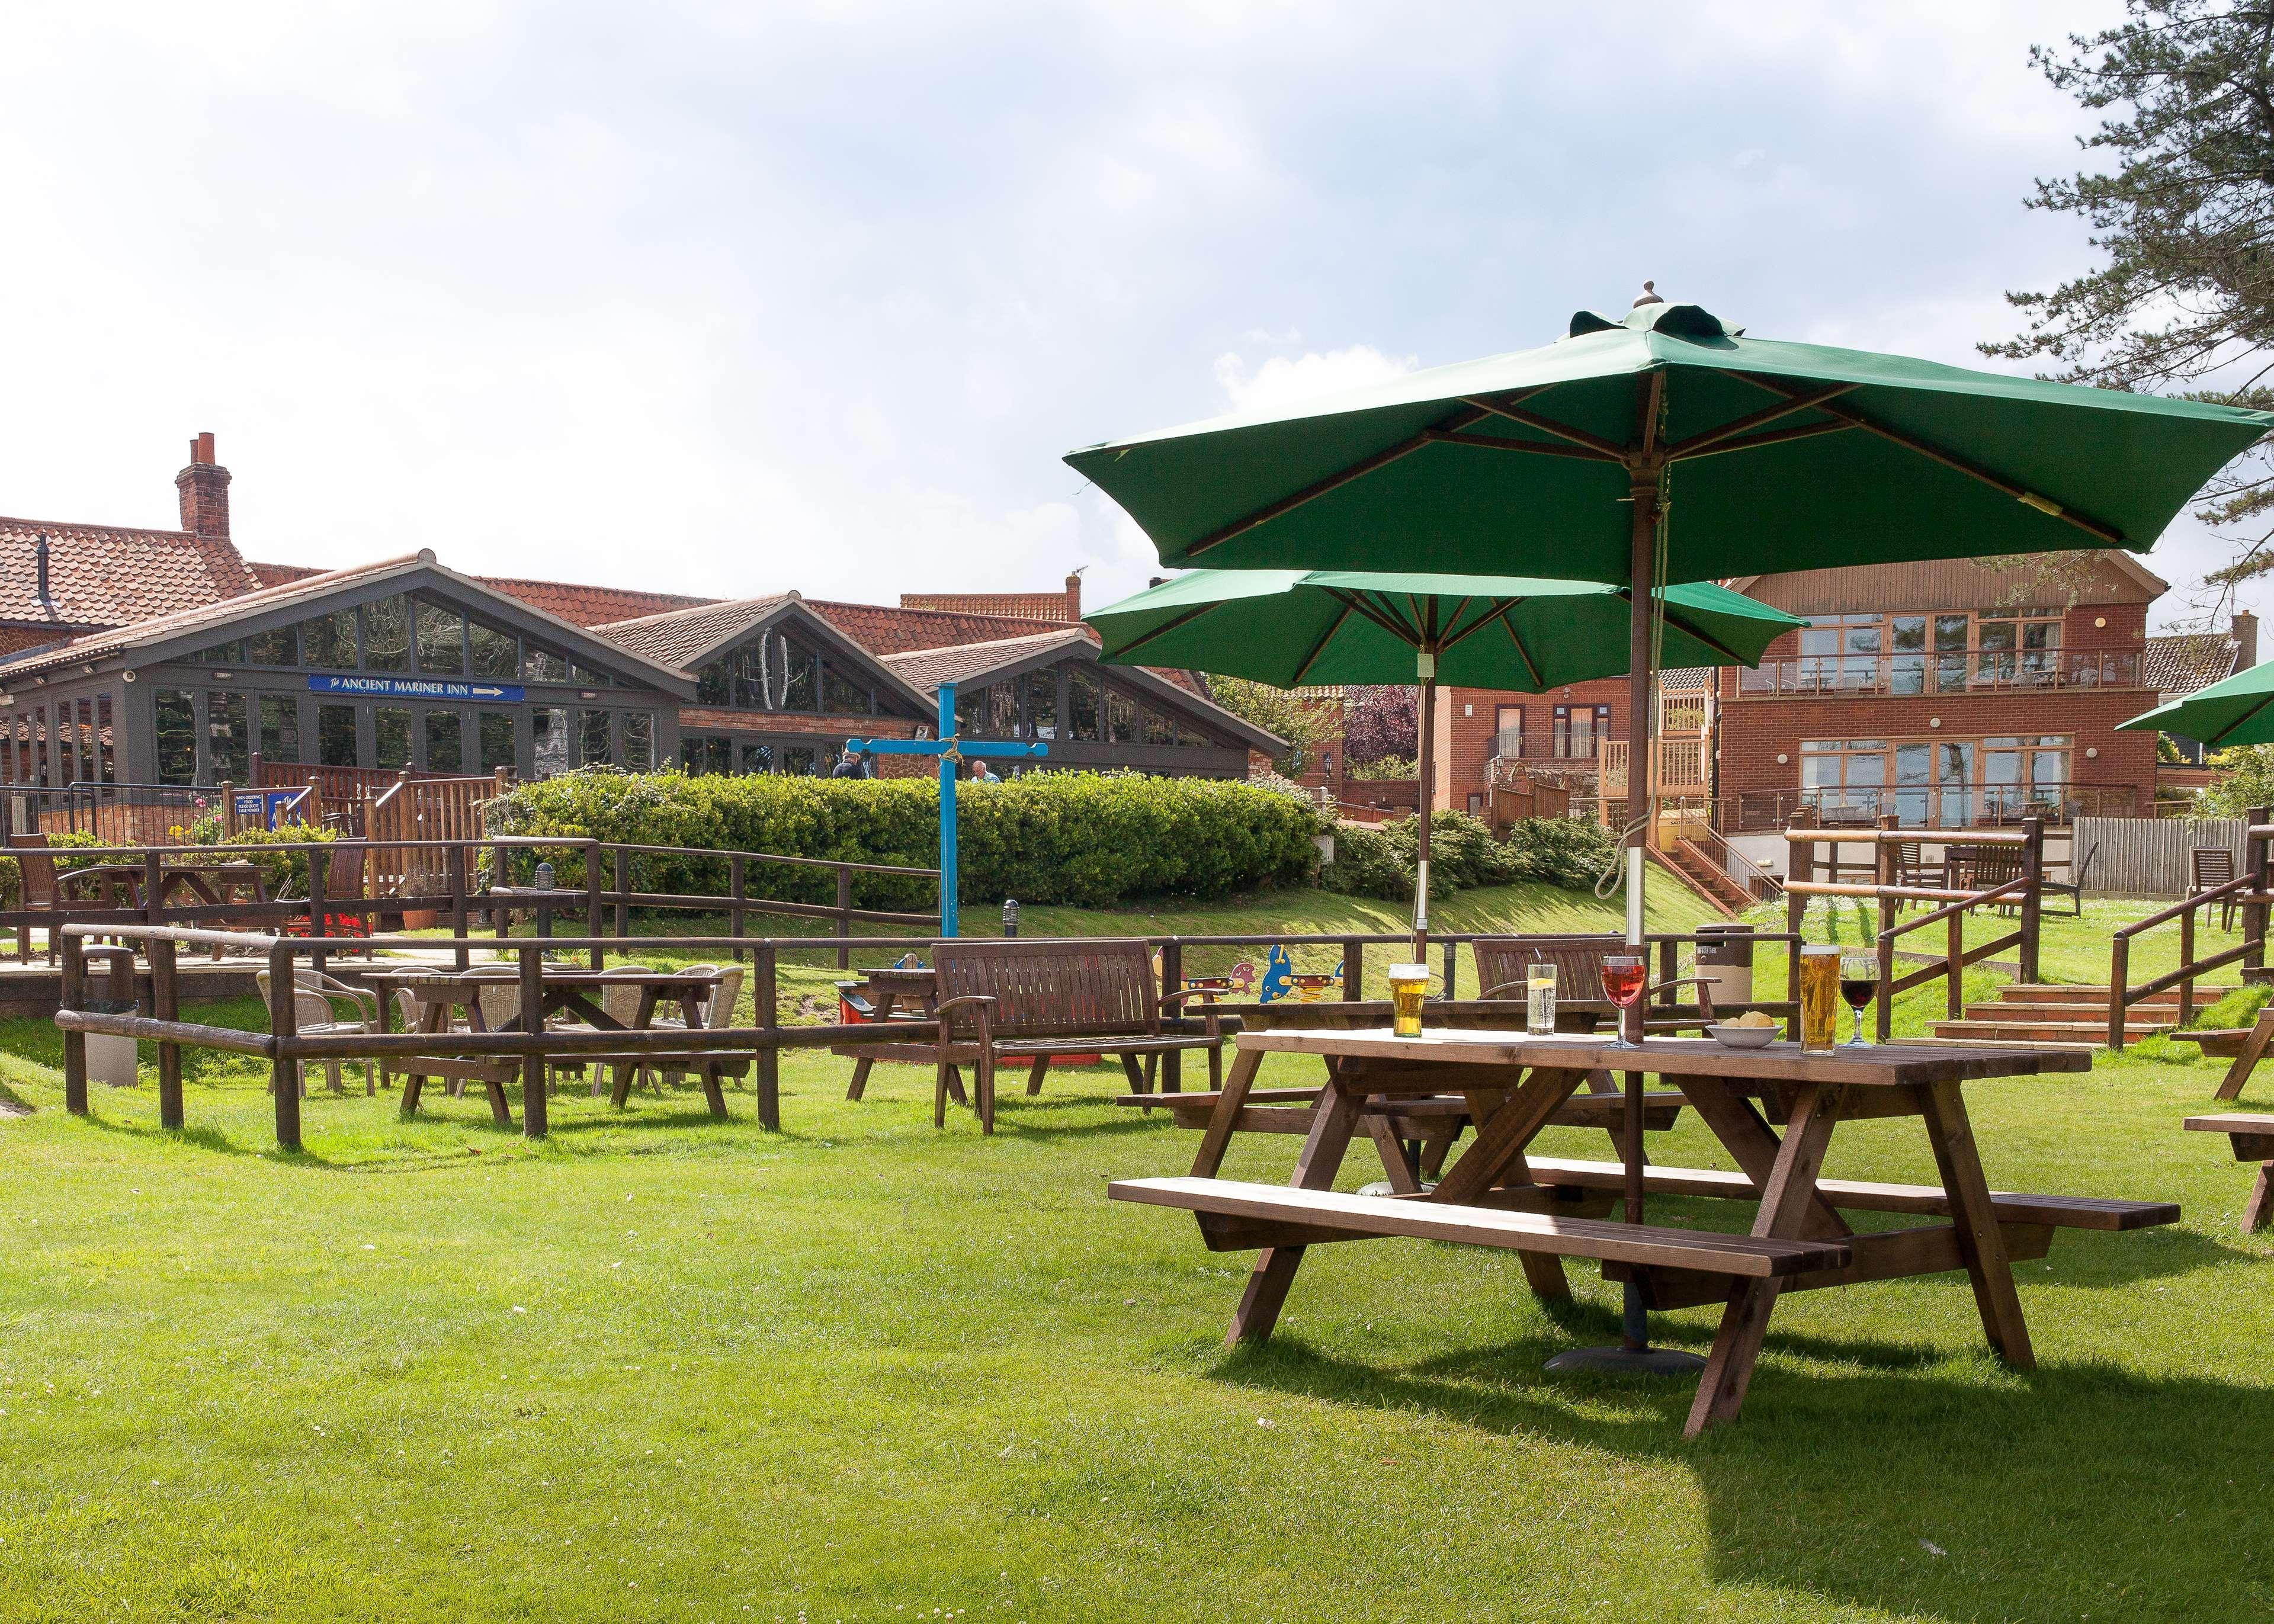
x,y
734,298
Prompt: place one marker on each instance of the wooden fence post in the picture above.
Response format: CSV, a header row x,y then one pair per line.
x,y
844,914
154,886
2187,958
593,926
1453,971
767,1077
73,996
2120,976
319,912
623,892
532,1058
2033,869
1172,979
2256,853
1954,968
1883,1018
459,857
166,1005
284,1022
1354,969
737,893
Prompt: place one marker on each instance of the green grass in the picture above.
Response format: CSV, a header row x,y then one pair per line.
x,y
661,1368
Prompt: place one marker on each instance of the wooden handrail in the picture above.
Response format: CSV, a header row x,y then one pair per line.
x,y
1910,837
2251,889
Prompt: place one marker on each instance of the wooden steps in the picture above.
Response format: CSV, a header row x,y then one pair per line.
x,y
2046,1012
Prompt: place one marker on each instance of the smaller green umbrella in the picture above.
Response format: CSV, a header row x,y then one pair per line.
x,y
1291,627
2238,710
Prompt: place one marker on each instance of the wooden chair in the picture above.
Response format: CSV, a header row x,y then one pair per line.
x,y
1045,998
2213,865
40,892
717,1011
344,867
316,1003
1992,865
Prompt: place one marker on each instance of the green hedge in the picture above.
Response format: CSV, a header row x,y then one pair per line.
x,y
1089,839
1378,860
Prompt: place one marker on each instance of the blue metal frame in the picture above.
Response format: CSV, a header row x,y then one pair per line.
x,y
949,749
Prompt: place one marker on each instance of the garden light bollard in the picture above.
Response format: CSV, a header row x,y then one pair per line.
x,y
1010,917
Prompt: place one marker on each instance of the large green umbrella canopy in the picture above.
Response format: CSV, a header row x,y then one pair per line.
x,y
1289,627
1774,457
2238,710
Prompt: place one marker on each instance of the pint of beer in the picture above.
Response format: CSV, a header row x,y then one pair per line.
x,y
1819,999
1409,984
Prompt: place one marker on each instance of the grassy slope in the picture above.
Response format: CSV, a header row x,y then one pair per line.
x,y
661,1368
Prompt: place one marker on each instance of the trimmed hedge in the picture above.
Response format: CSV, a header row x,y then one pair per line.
x,y
1090,839
1378,860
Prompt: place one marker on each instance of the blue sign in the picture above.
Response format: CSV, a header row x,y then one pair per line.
x,y
417,688
264,805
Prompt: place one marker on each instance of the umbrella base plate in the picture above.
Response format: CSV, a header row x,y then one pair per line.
x,y
1626,1361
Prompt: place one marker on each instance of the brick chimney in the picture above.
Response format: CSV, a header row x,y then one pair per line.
x,y
204,486
2245,628
1073,599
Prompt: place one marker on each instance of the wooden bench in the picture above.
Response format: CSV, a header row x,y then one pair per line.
x,y
1042,998
1289,1110
2253,1138
1337,1215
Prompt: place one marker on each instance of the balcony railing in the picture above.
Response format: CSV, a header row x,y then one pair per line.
x,y
1899,675
1925,806
1577,750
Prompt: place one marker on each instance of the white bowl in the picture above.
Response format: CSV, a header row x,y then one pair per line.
x,y
1744,1037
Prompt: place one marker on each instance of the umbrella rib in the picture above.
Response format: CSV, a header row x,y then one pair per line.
x,y
1356,601
1772,437
1332,482
1696,636
1531,665
1163,629
1458,633
1609,449
1753,420
1311,658
1957,464
1449,437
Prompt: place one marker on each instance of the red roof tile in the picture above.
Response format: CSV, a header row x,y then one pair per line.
x,y
102,576
887,630
592,606
1017,605
277,575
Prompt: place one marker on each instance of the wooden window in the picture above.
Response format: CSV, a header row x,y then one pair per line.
x,y
1042,704
1159,728
841,694
542,664
594,747
328,642
177,738
758,758
278,646
800,761
1508,732
714,684
1083,696
1121,718
639,741
548,726
106,748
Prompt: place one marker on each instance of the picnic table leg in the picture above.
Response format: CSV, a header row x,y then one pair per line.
x,y
414,1082
690,1012
885,999
620,1093
1787,1198
1331,1127
2246,1057
1980,1241
1512,1119
1233,1095
500,1113
2260,1207
1403,1175
1139,1081
1752,1144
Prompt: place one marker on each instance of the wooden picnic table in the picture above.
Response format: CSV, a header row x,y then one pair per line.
x,y
1496,1195
889,986
436,995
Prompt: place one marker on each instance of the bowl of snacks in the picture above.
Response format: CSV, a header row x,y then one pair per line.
x,y
1751,1030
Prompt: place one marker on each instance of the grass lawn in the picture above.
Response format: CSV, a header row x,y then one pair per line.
x,y
661,1368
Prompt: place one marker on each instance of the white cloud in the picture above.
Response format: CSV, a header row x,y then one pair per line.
x,y
1286,381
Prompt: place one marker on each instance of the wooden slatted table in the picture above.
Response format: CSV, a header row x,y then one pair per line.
x,y
1492,1196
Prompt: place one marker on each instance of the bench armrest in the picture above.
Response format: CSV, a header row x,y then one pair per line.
x,y
1211,1022
983,1008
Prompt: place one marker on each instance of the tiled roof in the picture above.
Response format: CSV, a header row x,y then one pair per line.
x,y
103,575
681,637
2177,667
590,606
1018,605
928,668
278,574
886,630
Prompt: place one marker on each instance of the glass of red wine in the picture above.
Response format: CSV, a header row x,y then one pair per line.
x,y
1622,980
1859,984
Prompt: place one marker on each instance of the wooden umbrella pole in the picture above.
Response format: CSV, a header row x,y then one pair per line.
x,y
1426,790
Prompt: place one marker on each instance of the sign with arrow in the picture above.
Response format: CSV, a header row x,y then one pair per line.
x,y
417,688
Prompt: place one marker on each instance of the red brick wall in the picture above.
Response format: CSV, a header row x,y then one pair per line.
x,y
707,719
1465,741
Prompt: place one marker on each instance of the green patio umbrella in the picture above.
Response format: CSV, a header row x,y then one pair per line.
x,y
1288,627
2238,711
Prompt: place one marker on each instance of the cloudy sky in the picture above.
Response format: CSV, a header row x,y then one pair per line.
x,y
732,298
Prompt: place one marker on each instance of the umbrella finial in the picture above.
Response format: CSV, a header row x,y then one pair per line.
x,y
1648,295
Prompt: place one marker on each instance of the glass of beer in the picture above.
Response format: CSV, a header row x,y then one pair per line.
x,y
1819,999
1409,984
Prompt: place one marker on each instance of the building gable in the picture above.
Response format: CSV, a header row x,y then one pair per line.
x,y
2106,575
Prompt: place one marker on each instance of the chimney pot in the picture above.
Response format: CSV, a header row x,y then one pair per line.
x,y
1074,598
203,488
2245,627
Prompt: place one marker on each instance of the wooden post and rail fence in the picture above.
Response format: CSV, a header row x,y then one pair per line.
x,y
2249,891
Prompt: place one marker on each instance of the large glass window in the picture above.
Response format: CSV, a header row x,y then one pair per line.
x,y
797,665
336,735
105,745
1121,718
391,738
178,738
496,654
228,738
706,753
230,653
586,675
441,640
971,711
801,761
278,646
593,749
1003,710
1578,729
548,726
280,728
713,684
1042,704
840,695
639,741
758,758
329,641
544,666
1938,782
444,753
1159,728
386,637
495,729
1083,694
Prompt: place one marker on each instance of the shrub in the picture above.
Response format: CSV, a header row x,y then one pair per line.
x,y
1091,839
284,873
1378,861
1384,767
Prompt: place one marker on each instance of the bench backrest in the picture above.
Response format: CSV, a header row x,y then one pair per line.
x,y
1578,961
1053,989
37,868
2214,865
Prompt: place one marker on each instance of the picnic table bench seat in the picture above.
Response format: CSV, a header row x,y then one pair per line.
x,y
2253,1138
1288,1110
1650,1245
